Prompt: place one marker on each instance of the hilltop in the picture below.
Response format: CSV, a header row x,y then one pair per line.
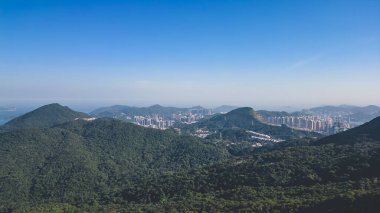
x,y
45,116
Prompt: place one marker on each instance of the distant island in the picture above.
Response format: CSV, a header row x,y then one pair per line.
x,y
8,109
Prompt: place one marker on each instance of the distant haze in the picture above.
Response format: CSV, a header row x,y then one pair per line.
x,y
280,55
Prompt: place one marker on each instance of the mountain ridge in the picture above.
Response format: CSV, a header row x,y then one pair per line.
x,y
132,110
356,113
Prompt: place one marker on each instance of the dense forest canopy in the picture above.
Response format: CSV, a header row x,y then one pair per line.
x,y
110,165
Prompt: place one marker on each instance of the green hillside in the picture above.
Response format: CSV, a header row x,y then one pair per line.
x,y
326,178
316,179
45,116
85,162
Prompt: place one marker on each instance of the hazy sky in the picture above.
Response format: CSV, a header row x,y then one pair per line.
x,y
183,53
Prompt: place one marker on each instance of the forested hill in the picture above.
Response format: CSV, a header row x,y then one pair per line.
x,y
83,162
247,119
327,178
367,132
45,116
107,165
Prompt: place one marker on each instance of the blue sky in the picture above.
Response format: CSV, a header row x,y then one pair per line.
x,y
255,53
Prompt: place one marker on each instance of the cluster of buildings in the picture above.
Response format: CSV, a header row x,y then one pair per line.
x,y
322,124
162,122
187,118
156,122
192,116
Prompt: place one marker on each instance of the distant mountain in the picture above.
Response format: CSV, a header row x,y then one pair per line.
x,y
45,116
198,108
224,109
247,119
371,109
356,113
118,110
367,132
332,109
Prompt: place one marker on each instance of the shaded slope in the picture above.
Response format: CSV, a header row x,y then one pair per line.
x,y
366,132
45,163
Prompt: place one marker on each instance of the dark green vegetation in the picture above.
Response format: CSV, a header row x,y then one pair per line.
x,y
293,179
46,116
84,162
107,165
241,119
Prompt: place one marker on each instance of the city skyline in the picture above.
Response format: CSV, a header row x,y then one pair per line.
x,y
268,55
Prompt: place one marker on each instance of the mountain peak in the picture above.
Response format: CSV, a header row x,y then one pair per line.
x,y
45,116
51,106
155,106
242,111
197,107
